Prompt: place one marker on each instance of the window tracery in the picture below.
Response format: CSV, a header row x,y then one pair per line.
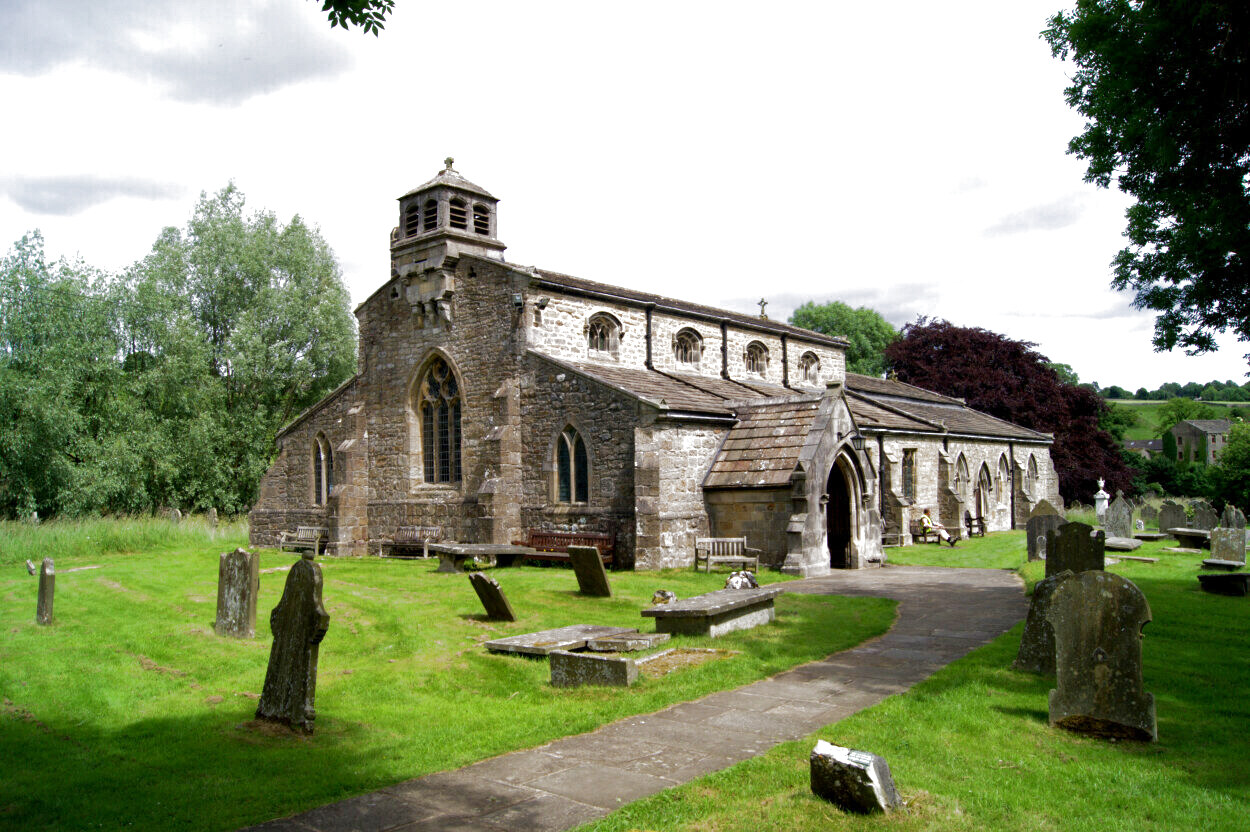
x,y
756,358
572,468
438,405
687,346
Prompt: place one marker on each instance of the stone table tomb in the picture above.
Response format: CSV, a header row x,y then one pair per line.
x,y
716,613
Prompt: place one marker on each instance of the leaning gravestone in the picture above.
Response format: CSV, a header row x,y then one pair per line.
x,y
299,623
1042,519
238,583
1097,619
1074,546
1172,516
47,589
1228,539
1118,519
856,781
1037,645
1204,516
492,597
592,578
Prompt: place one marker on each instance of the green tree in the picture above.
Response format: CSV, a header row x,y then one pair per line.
x,y
1179,410
1162,86
1231,477
1117,420
1067,375
868,332
369,15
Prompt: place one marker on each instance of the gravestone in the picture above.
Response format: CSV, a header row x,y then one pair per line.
x,y
546,642
1118,519
1228,540
592,578
1232,518
572,670
1171,516
1037,645
238,583
662,596
1074,546
855,781
175,516
47,589
210,517
1097,619
299,623
492,597
1042,519
626,642
1204,516
1149,513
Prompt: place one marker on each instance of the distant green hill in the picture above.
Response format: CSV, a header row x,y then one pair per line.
x,y
1147,413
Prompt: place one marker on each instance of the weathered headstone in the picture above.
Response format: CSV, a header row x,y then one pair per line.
x,y
1232,518
1172,516
592,578
1074,546
238,583
1097,619
175,515
571,670
210,517
492,597
1149,513
47,589
1204,516
1037,645
1228,540
1118,519
1042,519
856,781
299,623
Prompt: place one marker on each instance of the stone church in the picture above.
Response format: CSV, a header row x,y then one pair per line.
x,y
492,398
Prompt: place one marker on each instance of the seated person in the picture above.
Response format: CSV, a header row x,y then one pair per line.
x,y
929,525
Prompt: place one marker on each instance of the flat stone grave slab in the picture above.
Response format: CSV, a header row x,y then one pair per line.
x,y
627,643
572,670
1233,583
1121,544
1181,550
1223,565
1192,538
452,556
546,642
592,578
1148,536
1138,558
716,613
492,597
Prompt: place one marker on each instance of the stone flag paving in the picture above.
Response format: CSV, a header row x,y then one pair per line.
x,y
943,614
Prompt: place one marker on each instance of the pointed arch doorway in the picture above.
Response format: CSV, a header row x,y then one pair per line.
x,y
838,520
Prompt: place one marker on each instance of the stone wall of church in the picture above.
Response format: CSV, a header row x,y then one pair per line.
x,y
761,515
553,399
670,462
559,330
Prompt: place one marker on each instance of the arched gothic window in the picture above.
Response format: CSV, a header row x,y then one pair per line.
x,y
1004,479
982,495
961,476
809,368
323,470
603,334
756,358
438,406
572,468
687,346
1030,476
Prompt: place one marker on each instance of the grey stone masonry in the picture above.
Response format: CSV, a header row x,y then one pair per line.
x,y
1118,521
592,578
856,781
47,590
1037,645
1097,619
299,623
1074,546
546,642
492,597
1037,528
716,613
626,643
572,670
238,583
1204,516
1171,516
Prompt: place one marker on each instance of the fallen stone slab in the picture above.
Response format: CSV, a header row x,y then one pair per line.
x,y
1225,565
1121,544
546,642
572,670
1151,536
1237,584
1139,558
857,781
627,643
1181,550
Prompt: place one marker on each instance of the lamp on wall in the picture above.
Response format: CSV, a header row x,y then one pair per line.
x,y
857,441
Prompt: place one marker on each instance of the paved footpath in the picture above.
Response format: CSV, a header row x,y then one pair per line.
x,y
943,614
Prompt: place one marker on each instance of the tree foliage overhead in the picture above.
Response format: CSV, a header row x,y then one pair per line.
x,y
1165,89
1009,380
369,15
166,385
868,332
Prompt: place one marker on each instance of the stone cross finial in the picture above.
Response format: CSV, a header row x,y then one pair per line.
x,y
1101,483
448,162
763,303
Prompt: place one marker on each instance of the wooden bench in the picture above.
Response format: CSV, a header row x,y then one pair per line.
x,y
305,537
710,550
920,534
412,541
716,613
974,525
554,546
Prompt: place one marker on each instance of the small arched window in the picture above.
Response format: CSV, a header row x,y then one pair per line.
x,y
572,468
412,219
1004,478
809,368
961,476
756,358
429,215
603,335
687,346
982,493
438,405
481,219
1030,475
323,470
458,213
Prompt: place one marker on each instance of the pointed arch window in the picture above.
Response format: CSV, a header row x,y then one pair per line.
x,y
756,358
687,346
572,468
909,473
962,477
323,470
1004,475
438,404
1030,475
809,368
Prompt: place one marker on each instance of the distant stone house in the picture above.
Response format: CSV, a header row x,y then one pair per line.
x,y
1200,440
1144,447
492,398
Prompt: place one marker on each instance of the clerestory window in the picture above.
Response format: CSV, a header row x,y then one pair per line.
x,y
438,405
572,468
603,335
687,347
756,358
809,368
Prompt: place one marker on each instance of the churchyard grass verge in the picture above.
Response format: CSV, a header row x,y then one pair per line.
x,y
129,712
970,748
997,550
57,539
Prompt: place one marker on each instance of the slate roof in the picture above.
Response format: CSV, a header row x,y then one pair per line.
x,y
762,450
1144,444
1211,425
451,177
872,386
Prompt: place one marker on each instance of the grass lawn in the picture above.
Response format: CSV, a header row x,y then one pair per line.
x,y
970,747
129,711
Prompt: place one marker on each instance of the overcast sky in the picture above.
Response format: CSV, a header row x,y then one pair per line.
x,y
907,156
